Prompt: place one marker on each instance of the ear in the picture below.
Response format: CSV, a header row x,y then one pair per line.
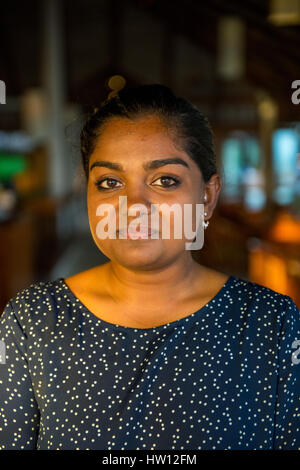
x,y
213,188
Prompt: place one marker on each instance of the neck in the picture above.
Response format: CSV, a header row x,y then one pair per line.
x,y
144,287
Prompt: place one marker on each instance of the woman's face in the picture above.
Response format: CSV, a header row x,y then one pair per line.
x,y
130,146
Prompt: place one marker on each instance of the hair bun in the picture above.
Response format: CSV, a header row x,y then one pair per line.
x,y
116,83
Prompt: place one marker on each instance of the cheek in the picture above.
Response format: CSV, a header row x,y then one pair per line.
x,y
93,218
182,219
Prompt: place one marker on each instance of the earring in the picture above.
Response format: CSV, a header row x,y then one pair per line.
x,y
205,224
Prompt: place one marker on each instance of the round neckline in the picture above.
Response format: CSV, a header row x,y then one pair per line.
x,y
174,323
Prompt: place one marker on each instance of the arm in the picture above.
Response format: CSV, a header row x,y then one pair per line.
x,y
19,413
287,411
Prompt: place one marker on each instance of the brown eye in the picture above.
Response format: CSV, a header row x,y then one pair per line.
x,y
168,179
110,182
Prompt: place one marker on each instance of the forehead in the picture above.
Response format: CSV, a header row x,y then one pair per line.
x,y
140,144
119,135
141,125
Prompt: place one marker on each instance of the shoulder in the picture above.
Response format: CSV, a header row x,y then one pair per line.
x,y
261,298
35,302
37,292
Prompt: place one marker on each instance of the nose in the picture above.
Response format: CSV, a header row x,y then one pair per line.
x,y
139,195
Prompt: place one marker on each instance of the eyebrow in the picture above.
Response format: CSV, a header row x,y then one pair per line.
x,y
151,165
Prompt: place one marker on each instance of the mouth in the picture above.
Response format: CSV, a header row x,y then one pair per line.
x,y
144,233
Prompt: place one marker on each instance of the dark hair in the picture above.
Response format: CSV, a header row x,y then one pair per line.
x,y
188,125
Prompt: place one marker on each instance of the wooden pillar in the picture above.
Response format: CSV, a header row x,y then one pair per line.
x,y
115,33
167,64
268,116
54,80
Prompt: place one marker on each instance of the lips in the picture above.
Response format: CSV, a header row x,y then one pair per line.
x,y
142,233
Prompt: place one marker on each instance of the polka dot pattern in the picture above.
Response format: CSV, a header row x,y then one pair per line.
x,y
220,378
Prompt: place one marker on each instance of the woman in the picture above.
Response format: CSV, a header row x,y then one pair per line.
x,y
150,350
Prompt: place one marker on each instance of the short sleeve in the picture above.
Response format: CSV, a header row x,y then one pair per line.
x,y
19,413
287,412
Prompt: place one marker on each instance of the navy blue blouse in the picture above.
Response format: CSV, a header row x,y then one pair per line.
x,y
224,377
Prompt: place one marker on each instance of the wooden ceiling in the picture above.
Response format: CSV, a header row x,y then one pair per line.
x,y
273,53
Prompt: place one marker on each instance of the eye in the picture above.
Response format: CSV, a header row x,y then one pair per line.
x,y
101,188
168,178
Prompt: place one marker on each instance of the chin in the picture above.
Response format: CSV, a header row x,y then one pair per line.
x,y
137,258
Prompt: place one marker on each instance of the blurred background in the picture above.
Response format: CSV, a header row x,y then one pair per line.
x,y
239,62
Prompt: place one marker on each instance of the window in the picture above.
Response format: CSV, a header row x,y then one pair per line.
x,y
243,175
285,149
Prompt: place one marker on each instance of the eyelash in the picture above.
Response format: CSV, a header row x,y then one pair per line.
x,y
177,182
